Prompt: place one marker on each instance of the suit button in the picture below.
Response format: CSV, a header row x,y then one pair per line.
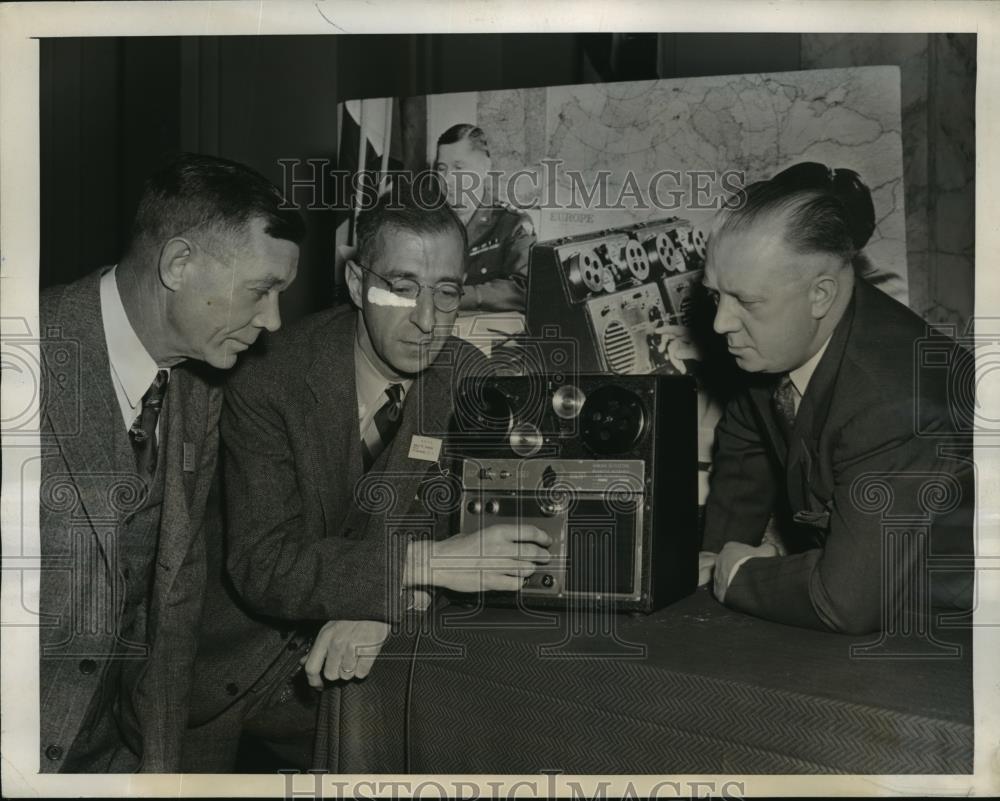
x,y
87,666
53,752
292,645
126,574
232,689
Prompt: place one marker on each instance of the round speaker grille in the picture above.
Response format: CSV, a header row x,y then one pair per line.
x,y
612,420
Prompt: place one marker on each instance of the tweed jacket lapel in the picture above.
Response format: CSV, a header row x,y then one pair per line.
x,y
330,376
81,404
192,412
425,413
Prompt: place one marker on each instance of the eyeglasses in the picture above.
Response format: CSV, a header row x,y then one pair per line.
x,y
446,295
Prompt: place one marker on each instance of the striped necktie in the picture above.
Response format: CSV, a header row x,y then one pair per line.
x,y
143,430
784,397
384,425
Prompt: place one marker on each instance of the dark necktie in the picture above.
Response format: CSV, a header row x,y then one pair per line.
x,y
784,403
384,425
143,430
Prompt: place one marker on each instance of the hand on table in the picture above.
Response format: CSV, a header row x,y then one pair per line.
x,y
497,557
732,554
344,649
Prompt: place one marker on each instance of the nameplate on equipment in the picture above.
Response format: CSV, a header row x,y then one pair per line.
x,y
427,449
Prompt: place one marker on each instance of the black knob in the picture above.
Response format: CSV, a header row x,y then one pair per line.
x,y
87,666
547,580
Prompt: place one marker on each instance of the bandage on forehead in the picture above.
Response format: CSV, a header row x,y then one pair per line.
x,y
383,297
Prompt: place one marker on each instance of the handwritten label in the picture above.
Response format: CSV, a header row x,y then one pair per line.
x,y
427,449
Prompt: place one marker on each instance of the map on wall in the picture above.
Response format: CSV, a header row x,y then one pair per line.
x,y
603,155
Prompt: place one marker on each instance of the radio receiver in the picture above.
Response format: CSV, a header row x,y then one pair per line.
x,y
584,459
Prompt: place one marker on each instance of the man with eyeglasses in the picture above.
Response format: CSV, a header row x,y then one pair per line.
x,y
332,437
129,442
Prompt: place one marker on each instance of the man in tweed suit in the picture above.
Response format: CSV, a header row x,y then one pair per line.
x,y
129,443
321,486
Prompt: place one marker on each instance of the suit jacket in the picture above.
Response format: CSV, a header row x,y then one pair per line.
x,y
878,433
309,536
84,497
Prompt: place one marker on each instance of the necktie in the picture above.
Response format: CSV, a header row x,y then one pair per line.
x,y
384,425
784,398
143,430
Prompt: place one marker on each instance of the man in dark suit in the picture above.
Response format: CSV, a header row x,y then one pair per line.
x,y
332,437
129,443
836,427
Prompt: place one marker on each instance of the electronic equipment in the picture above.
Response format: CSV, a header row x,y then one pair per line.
x,y
584,459
612,290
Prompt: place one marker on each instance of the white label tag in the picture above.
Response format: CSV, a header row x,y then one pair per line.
x,y
427,449
188,457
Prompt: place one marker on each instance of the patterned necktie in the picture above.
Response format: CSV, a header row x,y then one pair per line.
x,y
143,430
384,425
784,398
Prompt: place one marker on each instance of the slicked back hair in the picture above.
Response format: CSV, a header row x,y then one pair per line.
x,y
824,210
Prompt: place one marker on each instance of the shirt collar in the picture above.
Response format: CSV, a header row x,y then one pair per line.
x,y
133,367
371,384
801,376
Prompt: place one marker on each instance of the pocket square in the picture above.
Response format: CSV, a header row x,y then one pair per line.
x,y
820,520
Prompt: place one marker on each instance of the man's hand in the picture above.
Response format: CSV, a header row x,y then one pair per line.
x,y
675,343
344,649
494,558
706,564
734,553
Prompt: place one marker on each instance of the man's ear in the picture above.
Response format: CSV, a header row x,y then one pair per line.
x,y
175,258
352,272
823,293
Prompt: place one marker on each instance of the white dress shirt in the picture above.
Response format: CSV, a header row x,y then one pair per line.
x,y
371,386
132,368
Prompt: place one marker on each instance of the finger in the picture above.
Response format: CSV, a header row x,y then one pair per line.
x,y
334,659
528,552
502,583
349,661
366,662
316,658
718,583
533,534
518,568
421,600
706,565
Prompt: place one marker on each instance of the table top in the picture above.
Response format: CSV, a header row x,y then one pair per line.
x,y
692,688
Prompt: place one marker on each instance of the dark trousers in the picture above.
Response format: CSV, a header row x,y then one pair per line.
x,y
278,714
